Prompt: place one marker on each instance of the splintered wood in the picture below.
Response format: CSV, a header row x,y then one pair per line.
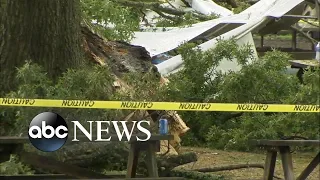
x,y
122,58
177,127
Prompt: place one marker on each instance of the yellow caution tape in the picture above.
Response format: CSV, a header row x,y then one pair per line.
x,y
177,106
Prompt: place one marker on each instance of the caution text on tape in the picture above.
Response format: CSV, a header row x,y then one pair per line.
x,y
178,106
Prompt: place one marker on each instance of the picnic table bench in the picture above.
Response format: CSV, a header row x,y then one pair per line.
x,y
283,147
14,145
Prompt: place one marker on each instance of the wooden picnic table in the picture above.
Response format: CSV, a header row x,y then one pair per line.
x,y
304,63
283,147
14,145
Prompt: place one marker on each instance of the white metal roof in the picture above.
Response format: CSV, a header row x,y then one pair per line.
x,y
253,17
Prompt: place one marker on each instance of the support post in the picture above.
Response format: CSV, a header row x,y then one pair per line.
x,y
287,163
312,44
151,160
270,164
294,40
261,41
132,160
317,4
318,14
313,164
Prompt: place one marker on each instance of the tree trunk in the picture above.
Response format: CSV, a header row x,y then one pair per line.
x,y
47,32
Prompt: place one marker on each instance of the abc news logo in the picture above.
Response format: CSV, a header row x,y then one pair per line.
x,y
48,131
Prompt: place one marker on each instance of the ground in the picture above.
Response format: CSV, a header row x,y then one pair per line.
x,y
209,157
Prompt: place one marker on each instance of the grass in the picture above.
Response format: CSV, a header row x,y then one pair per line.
x,y
275,36
215,158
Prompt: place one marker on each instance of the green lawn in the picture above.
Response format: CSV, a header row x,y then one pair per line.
x,y
209,157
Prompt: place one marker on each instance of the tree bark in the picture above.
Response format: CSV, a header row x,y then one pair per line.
x,y
121,57
44,31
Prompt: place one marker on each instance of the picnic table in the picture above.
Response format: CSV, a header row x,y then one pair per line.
x,y
302,65
283,147
14,145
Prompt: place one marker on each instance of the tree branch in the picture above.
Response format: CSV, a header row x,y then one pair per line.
x,y
158,8
166,16
170,4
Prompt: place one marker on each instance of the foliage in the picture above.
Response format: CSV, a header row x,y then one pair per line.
x,y
117,20
114,21
86,83
14,167
185,20
145,87
242,5
258,81
236,6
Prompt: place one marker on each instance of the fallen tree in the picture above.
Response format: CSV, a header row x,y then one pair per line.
x,y
121,58
100,157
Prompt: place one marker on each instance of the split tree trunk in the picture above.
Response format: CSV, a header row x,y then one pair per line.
x,y
46,32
